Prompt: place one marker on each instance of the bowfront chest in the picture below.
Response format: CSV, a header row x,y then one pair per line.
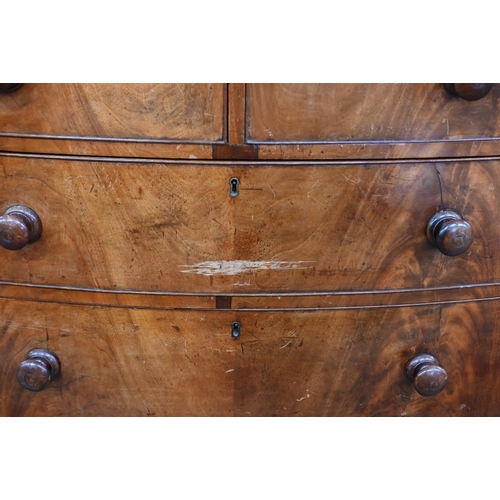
x,y
249,249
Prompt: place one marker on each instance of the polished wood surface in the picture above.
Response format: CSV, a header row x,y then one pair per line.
x,y
236,102
253,301
349,363
251,250
366,112
379,150
107,148
175,227
175,112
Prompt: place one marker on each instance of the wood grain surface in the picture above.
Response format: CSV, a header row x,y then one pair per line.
x,y
236,112
174,227
180,112
124,149
366,112
378,150
252,301
344,363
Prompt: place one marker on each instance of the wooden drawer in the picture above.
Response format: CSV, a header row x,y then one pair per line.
x,y
330,113
143,112
127,361
175,227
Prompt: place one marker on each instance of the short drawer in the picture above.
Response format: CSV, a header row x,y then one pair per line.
x,y
126,361
142,112
330,113
285,228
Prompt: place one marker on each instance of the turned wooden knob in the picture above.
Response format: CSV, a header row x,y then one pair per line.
x,y
450,232
38,369
468,91
19,225
7,88
427,376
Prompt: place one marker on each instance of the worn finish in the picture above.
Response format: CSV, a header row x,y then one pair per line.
x,y
379,150
175,112
236,112
201,256
107,148
291,113
349,363
254,301
175,227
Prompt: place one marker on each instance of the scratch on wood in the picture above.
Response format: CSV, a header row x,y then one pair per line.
x,y
440,188
302,399
233,267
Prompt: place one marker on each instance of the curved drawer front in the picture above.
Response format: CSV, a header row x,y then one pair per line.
x,y
179,112
288,113
144,362
171,227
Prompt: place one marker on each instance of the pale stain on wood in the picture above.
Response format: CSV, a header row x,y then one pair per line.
x,y
234,267
138,276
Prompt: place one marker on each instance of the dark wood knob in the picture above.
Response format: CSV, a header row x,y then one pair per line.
x,y
38,369
7,88
19,226
427,376
468,91
450,232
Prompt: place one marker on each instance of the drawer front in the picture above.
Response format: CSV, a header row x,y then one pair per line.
x,y
172,227
366,112
119,361
162,112
118,226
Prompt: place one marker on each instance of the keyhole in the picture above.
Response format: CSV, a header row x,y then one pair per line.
x,y
235,330
234,183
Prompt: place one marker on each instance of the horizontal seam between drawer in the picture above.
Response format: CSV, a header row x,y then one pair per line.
x,y
257,162
367,142
250,294
270,309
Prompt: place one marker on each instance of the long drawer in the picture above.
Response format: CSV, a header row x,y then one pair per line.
x,y
127,361
176,227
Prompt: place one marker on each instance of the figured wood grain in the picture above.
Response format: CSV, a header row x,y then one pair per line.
x,y
380,150
236,112
366,112
257,301
178,363
122,362
351,363
179,112
174,227
186,150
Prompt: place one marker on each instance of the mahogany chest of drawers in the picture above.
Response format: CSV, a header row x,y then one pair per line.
x,y
249,250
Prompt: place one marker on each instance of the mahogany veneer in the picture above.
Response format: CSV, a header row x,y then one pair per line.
x,y
249,250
